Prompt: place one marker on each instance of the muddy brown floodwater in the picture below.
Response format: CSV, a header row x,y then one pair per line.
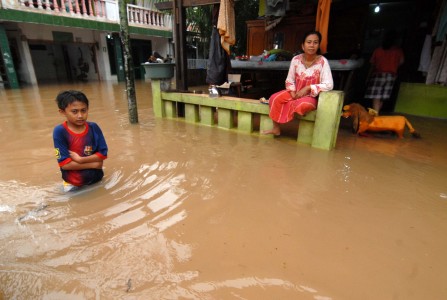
x,y
194,212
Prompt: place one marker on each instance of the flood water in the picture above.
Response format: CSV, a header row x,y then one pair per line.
x,y
195,212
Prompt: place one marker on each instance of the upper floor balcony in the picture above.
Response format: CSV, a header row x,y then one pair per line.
x,y
143,14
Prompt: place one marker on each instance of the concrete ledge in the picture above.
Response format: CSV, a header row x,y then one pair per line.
x,y
318,128
420,99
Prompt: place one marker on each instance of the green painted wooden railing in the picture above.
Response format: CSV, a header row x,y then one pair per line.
x,y
318,128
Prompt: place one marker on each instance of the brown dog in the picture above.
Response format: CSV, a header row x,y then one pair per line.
x,y
368,121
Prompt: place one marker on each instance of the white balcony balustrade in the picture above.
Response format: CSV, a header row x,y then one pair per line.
x,y
98,10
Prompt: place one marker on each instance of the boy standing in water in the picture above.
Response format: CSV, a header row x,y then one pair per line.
x,y
80,146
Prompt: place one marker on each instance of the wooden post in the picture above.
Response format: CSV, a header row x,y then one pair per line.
x,y
156,98
245,121
128,63
327,120
180,45
225,118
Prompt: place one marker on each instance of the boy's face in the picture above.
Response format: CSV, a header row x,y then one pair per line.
x,y
76,114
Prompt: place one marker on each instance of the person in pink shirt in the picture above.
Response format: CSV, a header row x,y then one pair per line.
x,y
385,61
309,74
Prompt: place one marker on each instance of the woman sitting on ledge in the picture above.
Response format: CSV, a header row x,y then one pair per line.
x,y
309,74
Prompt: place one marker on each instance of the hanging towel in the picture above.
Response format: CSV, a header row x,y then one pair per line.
x,y
322,22
226,24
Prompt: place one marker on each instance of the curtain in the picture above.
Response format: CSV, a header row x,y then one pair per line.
x,y
437,72
322,22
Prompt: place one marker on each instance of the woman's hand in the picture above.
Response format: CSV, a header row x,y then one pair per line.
x,y
303,92
292,94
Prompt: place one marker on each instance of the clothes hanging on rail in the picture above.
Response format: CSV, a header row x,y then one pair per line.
x,y
226,24
424,62
322,22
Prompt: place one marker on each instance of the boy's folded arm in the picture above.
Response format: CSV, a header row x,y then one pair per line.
x,y
86,159
73,165
90,159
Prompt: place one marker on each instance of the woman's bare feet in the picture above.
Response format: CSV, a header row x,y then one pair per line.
x,y
275,130
272,131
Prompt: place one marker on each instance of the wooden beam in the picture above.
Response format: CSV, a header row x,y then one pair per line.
x,y
187,3
164,5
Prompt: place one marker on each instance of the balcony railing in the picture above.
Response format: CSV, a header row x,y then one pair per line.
x,y
142,16
98,10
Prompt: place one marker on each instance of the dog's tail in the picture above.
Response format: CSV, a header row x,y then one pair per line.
x,y
413,132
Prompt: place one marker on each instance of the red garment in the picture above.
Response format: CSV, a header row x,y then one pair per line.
x,y
318,77
387,61
283,107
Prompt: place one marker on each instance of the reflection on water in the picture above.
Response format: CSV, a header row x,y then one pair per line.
x,y
188,212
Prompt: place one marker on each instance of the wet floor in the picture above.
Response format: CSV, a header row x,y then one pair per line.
x,y
188,212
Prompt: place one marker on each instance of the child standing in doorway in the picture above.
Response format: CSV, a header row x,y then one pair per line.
x,y
385,62
80,146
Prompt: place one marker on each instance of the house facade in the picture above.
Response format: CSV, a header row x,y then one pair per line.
x,y
57,41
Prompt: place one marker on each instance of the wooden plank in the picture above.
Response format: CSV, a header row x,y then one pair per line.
x,y
327,120
168,5
156,98
234,103
305,132
225,118
245,121
170,109
187,3
191,113
206,115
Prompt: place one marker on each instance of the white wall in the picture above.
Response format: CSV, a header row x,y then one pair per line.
x,y
161,45
103,58
43,33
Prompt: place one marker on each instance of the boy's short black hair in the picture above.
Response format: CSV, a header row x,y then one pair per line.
x,y
65,98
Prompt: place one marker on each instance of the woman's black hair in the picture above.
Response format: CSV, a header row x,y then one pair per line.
x,y
317,33
65,98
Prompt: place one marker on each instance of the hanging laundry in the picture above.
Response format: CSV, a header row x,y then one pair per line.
x,y
424,62
322,22
226,24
